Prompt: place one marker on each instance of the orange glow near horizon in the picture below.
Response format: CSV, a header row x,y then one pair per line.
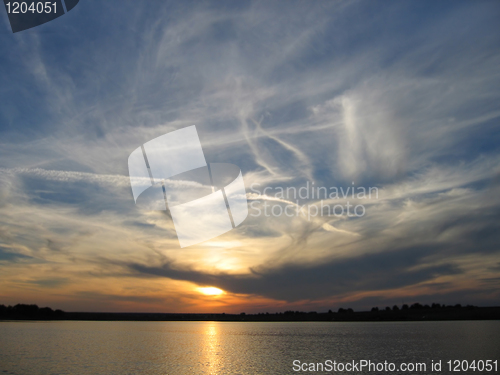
x,y
211,291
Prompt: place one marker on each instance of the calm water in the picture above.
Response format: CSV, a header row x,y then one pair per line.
x,y
234,348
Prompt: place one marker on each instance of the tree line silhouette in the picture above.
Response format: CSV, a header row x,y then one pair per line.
x,y
22,311
418,306
406,312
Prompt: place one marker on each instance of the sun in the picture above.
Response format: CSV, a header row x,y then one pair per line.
x,y
211,291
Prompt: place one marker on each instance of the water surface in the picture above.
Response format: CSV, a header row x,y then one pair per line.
x,y
234,348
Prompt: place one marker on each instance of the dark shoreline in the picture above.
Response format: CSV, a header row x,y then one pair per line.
x,y
421,314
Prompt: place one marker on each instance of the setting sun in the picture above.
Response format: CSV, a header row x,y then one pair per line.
x,y
211,291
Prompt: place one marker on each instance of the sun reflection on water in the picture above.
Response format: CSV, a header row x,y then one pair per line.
x,y
212,350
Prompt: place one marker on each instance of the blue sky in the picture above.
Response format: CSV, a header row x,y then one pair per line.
x,y
402,96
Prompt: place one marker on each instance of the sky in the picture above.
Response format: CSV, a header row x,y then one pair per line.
x,y
400,97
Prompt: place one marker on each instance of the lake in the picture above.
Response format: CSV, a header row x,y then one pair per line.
x,y
79,347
